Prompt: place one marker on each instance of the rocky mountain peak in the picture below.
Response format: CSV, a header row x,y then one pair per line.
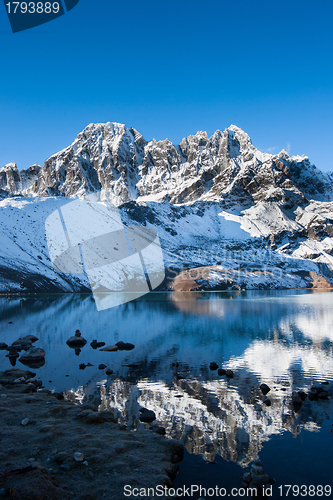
x,y
283,154
118,161
239,136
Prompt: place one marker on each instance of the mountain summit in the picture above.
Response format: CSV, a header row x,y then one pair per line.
x,y
119,162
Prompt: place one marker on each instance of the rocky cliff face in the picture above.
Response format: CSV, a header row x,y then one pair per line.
x,y
119,162
14,182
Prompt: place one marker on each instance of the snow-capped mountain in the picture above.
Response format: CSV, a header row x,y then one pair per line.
x,y
117,159
258,220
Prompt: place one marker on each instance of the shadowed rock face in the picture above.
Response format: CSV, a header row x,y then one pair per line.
x,y
116,159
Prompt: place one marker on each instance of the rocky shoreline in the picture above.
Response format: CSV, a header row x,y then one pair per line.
x,y
52,449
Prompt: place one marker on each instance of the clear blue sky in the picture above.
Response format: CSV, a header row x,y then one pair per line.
x,y
169,69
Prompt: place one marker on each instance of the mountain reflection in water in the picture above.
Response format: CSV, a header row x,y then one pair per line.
x,y
283,339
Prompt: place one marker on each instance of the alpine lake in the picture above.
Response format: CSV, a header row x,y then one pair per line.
x,y
283,339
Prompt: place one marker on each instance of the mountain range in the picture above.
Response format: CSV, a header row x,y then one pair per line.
x,y
228,216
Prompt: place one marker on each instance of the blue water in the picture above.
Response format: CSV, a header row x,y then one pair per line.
x,y
284,339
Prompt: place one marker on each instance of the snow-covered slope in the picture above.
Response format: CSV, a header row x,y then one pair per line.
x,y
258,220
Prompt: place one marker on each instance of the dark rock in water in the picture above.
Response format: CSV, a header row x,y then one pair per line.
x,y
297,398
109,372
297,401
120,345
110,348
302,395
13,353
267,402
213,366
95,345
229,374
12,360
76,341
264,389
20,341
147,416
34,354
124,346
82,366
323,395
16,348
26,347
221,372
3,346
22,344
34,358
101,366
31,337
77,333
314,393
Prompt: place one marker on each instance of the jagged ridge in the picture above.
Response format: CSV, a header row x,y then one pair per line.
x,y
117,160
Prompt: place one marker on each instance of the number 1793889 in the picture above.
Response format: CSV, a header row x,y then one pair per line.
x,y
304,490
32,7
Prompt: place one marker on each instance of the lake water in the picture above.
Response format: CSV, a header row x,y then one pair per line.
x,y
281,338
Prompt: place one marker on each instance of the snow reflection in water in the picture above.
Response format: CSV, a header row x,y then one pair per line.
x,y
283,339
